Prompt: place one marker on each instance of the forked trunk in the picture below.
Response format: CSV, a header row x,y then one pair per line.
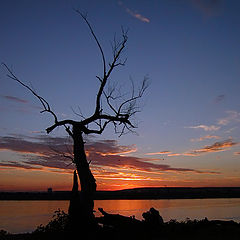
x,y
81,205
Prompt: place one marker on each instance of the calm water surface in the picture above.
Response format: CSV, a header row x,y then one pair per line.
x,y
25,216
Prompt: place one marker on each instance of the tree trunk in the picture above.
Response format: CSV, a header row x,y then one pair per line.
x,y
81,206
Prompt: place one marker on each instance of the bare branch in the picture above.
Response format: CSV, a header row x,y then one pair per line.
x,y
79,113
61,154
112,65
99,131
60,123
108,97
99,79
132,101
67,128
95,38
45,104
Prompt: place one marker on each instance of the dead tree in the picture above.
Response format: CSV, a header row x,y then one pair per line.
x,y
110,108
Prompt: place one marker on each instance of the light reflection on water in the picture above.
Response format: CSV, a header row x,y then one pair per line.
x,y
25,216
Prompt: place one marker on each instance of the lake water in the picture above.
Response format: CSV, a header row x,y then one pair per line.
x,y
25,216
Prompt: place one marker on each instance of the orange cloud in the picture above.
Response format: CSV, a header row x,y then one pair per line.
x,y
205,127
174,154
159,153
109,147
205,137
216,147
137,15
134,13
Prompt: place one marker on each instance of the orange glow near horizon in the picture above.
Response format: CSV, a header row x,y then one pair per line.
x,y
14,179
112,172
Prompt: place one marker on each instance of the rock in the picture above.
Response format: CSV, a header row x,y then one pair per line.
x,y
152,217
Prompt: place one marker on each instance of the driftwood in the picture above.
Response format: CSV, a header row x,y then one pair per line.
x,y
117,220
122,227
151,218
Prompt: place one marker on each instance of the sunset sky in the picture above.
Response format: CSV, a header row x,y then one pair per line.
x,y
189,126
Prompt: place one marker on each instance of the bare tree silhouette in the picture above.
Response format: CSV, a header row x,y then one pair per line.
x,y
111,107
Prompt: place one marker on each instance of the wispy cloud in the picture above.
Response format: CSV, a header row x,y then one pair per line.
x,y
231,116
204,138
137,15
216,147
205,127
20,165
174,154
230,130
14,99
134,14
21,105
159,153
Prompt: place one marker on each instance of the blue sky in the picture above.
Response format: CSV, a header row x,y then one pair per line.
x,y
190,115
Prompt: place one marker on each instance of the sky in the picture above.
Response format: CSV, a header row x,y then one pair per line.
x,y
188,131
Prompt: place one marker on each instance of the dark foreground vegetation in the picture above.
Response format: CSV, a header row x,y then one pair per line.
x,y
114,226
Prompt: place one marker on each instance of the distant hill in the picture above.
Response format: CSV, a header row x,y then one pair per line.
x,y
179,193
135,193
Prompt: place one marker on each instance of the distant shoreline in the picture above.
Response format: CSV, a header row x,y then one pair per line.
x,y
136,193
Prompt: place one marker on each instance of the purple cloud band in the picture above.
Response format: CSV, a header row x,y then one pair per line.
x,y
43,151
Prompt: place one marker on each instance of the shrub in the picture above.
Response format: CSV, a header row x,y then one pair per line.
x,y
56,225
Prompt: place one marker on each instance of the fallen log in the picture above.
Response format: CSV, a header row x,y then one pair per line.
x,y
117,220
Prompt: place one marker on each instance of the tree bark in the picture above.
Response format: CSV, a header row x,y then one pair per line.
x,y
81,205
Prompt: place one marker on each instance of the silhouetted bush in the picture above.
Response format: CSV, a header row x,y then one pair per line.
x,y
3,234
56,225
